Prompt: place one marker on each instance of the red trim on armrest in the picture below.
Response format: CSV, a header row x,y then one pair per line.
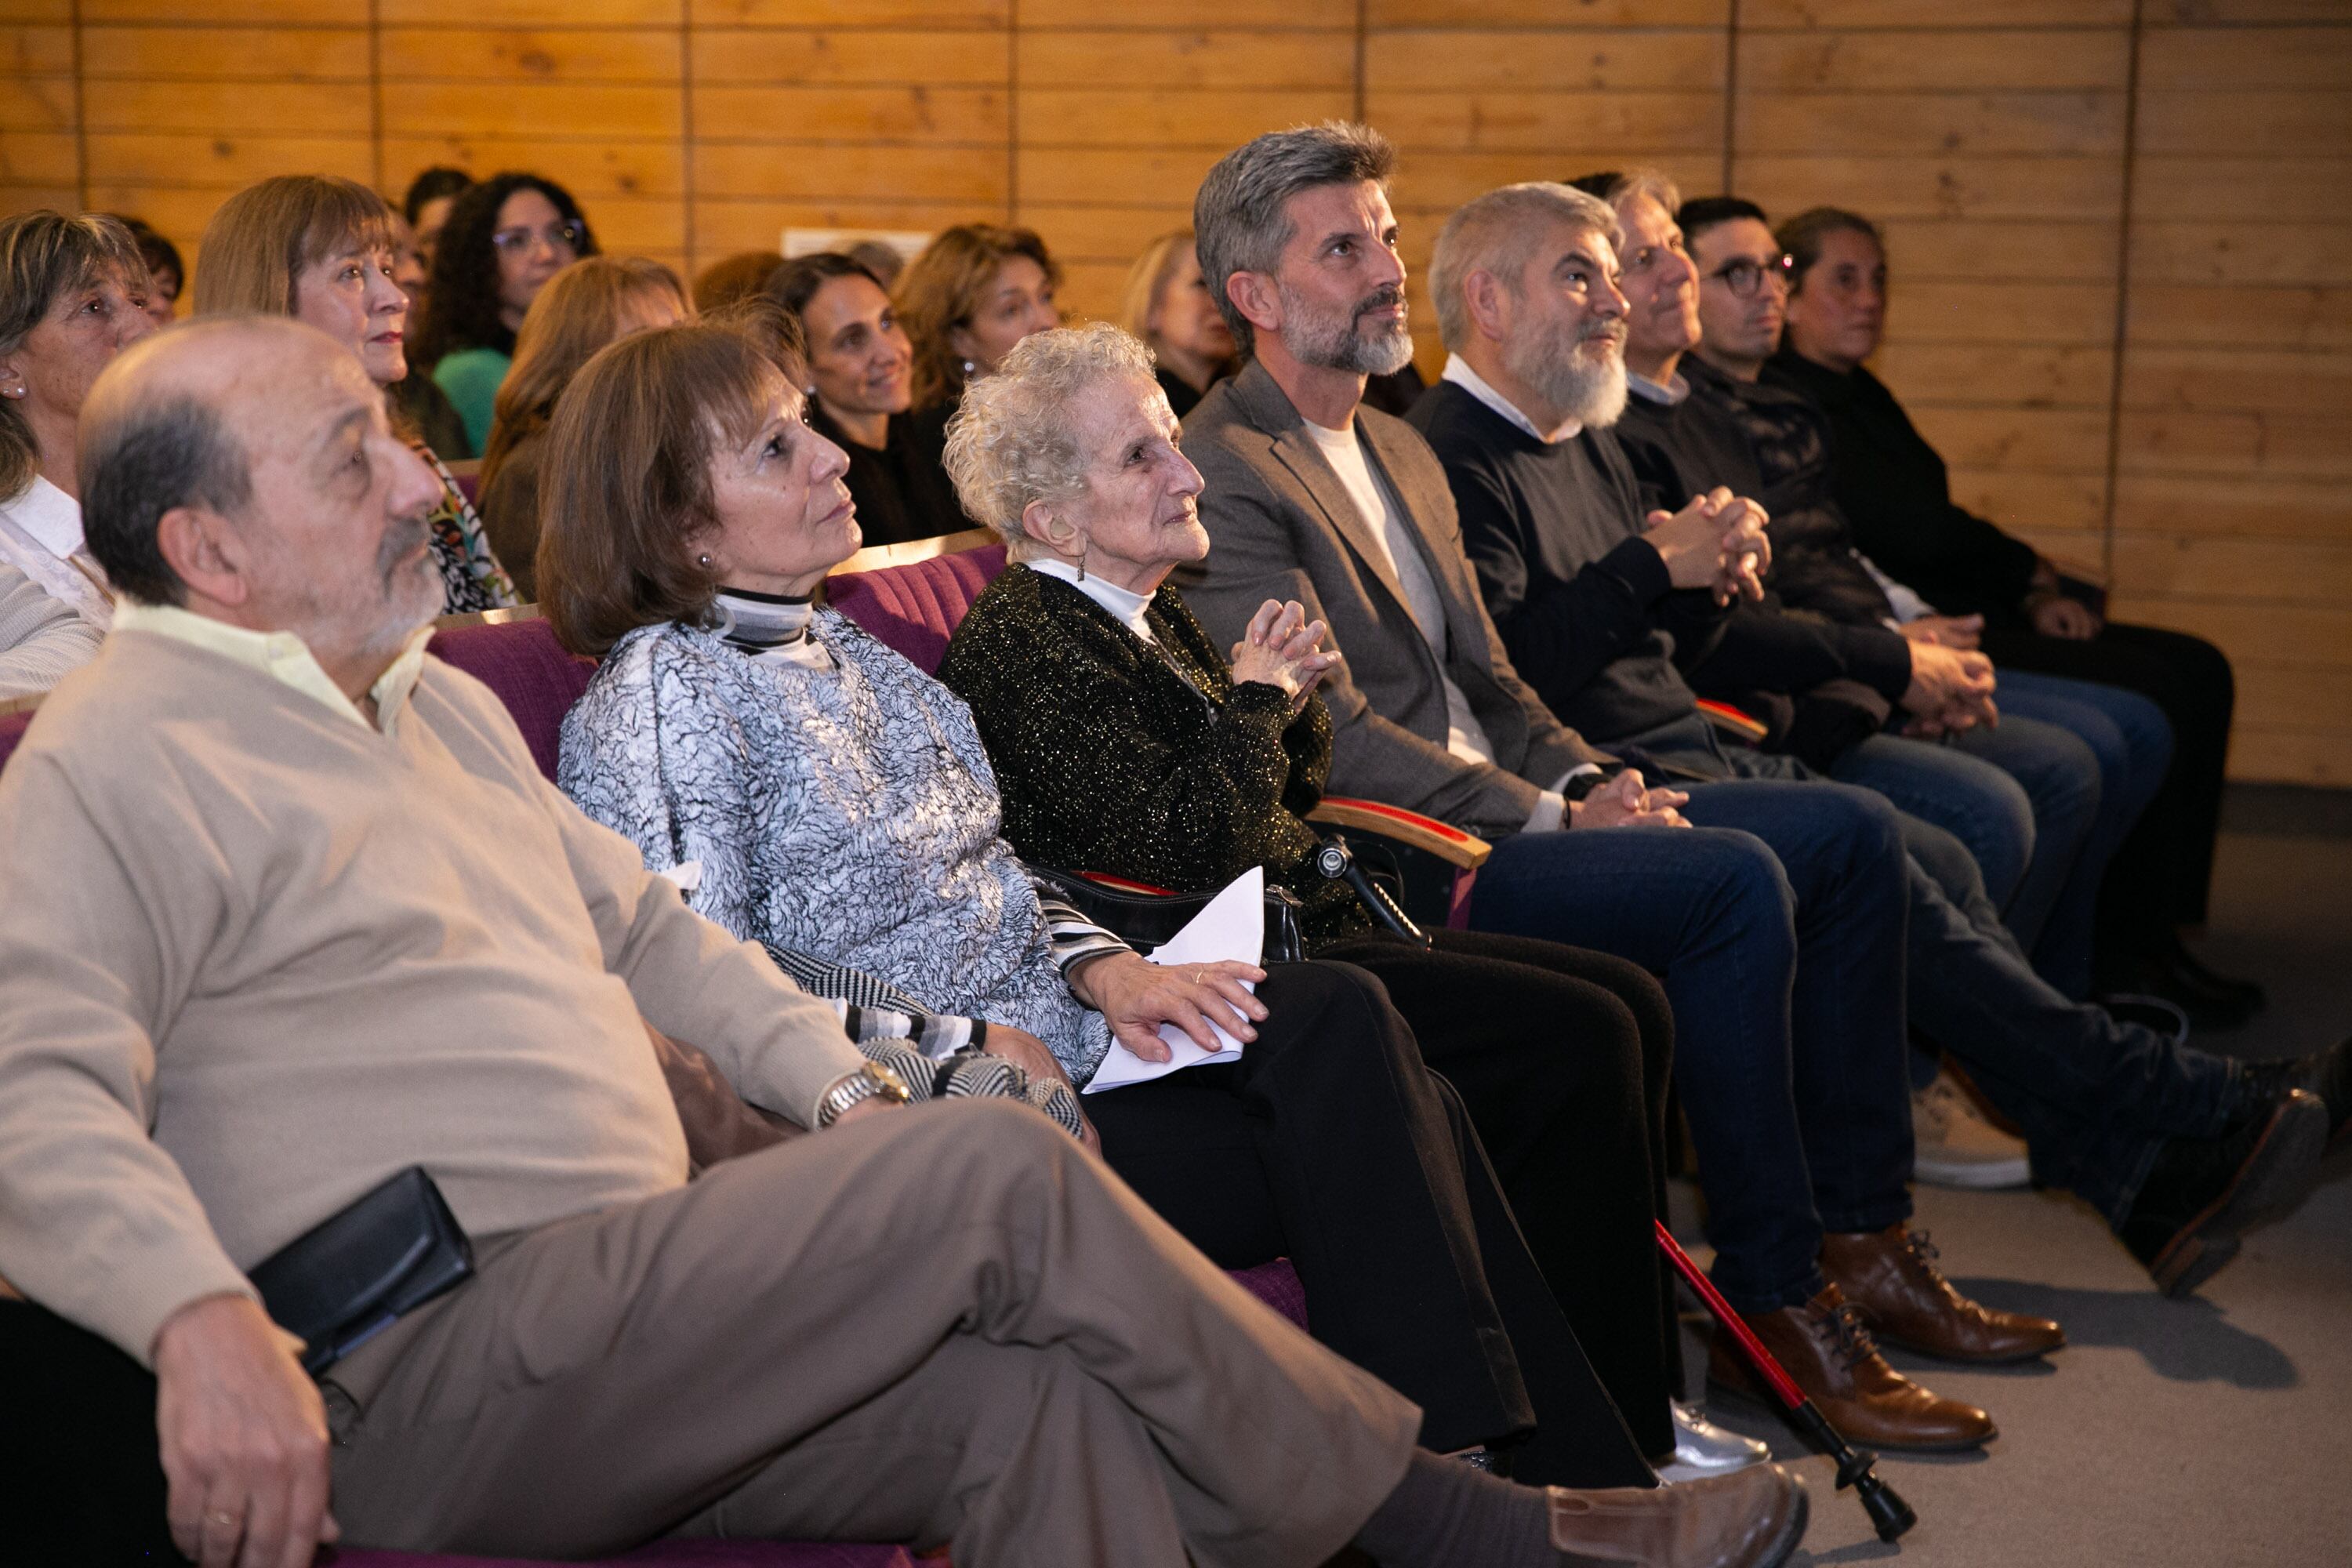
x,y
1724,716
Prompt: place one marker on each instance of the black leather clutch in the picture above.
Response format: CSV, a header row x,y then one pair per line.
x,y
345,1280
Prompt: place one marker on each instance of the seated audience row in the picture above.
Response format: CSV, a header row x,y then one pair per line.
x,y
1087,1381
1531,583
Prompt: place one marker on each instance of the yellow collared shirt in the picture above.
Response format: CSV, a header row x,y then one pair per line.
x,y
283,656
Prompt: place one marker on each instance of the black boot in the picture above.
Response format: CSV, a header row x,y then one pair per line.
x,y
2201,1193
2328,1075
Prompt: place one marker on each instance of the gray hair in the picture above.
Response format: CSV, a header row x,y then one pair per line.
x,y
1238,219
1496,233
1654,184
1015,440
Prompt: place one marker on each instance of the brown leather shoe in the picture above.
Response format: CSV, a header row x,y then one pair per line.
x,y
1891,1278
1824,1347
1749,1519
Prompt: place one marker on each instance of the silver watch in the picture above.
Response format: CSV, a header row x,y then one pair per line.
x,y
872,1081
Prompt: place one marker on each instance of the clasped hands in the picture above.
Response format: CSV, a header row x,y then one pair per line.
x,y
1951,682
1282,648
1716,542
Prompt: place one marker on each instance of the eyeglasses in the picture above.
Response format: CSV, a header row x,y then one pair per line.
x,y
557,237
1743,275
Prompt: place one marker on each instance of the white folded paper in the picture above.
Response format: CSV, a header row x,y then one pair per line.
x,y
1231,929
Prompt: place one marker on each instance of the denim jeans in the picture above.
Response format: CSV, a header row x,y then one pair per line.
x,y
2095,1097
1974,799
1784,966
2132,742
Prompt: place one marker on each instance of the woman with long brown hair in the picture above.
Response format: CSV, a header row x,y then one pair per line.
x,y
975,291
587,305
323,249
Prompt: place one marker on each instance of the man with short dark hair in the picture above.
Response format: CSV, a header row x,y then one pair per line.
x,y
1547,547
287,907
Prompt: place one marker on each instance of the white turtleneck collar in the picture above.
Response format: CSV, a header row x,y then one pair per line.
x,y
1125,608
768,627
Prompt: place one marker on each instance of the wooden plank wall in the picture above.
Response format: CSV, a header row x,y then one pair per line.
x,y
2122,297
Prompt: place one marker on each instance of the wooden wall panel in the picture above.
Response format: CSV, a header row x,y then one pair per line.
x,y
2043,168
2236,439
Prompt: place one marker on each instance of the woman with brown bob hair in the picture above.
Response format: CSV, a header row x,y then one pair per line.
x,y
587,305
838,808
323,249
974,291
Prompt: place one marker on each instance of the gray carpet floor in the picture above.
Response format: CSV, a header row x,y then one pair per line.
x,y
2212,1431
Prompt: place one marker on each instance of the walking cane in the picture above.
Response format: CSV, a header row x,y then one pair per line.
x,y
1889,1514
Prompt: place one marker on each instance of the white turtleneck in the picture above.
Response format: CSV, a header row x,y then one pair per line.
x,y
1126,607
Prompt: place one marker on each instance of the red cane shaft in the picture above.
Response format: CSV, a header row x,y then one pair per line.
x,y
1758,1356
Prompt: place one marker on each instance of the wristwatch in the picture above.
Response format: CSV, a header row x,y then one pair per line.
x,y
872,1081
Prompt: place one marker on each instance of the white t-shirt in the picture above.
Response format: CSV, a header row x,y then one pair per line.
x,y
1344,451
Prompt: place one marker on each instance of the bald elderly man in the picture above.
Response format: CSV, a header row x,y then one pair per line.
x,y
285,908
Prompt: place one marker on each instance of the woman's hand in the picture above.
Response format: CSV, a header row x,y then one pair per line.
x,y
1135,996
1033,1057
1623,802
1281,650
1962,632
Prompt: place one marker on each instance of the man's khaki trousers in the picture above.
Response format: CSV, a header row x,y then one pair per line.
x,y
945,1324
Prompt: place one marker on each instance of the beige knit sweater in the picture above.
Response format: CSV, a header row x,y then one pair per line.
x,y
256,957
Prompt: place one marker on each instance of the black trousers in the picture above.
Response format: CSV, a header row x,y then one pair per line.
x,y
1329,1141
79,1465
2163,874
1564,1057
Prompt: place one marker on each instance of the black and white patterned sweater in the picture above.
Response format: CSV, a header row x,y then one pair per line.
x,y
848,814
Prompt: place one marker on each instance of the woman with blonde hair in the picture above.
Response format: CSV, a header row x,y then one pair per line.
x,y
587,305
323,249
1167,305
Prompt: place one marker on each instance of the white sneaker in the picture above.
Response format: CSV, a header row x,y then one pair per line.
x,y
1956,1147
1702,1449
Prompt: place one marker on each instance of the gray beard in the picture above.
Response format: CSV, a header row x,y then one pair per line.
x,y
1591,394
1336,343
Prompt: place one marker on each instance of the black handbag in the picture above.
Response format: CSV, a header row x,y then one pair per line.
x,y
1147,920
345,1280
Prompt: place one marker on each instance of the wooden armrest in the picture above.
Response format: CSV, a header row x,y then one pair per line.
x,y
506,615
1451,845
1732,721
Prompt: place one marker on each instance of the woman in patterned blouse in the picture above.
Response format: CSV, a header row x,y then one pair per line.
x,y
322,250
835,805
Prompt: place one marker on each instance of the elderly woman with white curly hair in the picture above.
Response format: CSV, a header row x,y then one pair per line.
x,y
1125,742
837,807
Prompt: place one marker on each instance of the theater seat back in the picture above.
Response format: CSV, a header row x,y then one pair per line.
x,y
533,675
916,607
12,730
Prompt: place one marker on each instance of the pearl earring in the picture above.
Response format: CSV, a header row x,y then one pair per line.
x,y
703,562
970,370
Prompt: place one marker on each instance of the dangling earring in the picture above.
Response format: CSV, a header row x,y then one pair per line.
x,y
1083,545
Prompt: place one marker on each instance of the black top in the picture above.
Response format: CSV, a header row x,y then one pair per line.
x,y
902,491
1686,449
1149,762
1584,603
1897,496
1181,395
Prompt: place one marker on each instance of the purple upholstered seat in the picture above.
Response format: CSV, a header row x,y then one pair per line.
x,y
917,607
532,673
12,730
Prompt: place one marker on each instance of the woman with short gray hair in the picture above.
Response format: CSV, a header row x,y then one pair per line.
x,y
1124,741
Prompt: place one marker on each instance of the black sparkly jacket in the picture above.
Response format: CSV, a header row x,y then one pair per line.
x,y
1112,757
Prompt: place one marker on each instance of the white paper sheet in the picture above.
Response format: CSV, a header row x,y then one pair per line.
x,y
1230,928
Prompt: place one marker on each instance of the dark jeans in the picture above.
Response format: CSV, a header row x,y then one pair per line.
x,y
2095,1098
1330,1143
2163,874
1785,973
2131,742
1563,1060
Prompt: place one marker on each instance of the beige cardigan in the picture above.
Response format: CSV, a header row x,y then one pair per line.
x,y
255,957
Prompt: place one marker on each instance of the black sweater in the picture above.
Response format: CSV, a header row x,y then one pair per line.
x,y
1584,603
1898,495
901,491
1684,449
1112,758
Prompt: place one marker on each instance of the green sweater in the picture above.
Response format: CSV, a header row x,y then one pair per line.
x,y
471,378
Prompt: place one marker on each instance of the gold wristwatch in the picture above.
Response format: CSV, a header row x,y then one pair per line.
x,y
872,1081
